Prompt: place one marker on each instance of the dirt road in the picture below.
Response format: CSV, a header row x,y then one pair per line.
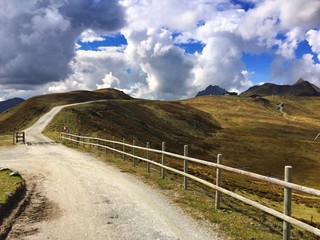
x,y
76,196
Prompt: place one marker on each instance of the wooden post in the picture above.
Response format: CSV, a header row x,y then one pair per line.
x,y
106,144
148,157
24,137
287,203
163,160
133,158
114,146
78,139
89,139
123,150
218,182
185,166
14,138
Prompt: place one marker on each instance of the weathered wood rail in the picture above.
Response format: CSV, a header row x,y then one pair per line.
x,y
120,147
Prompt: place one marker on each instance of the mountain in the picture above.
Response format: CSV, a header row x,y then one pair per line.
x,y
212,90
299,89
5,105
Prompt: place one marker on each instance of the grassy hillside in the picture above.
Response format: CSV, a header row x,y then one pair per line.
x,y
154,121
252,134
257,137
26,113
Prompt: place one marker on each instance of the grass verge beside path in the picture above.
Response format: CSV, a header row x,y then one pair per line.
x,y
10,189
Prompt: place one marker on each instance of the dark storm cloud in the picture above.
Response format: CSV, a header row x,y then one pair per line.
x,y
37,38
94,14
172,70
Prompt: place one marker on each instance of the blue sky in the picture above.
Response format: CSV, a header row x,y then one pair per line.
x,y
109,41
156,49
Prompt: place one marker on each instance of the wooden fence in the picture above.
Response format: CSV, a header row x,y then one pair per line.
x,y
120,147
15,138
7,138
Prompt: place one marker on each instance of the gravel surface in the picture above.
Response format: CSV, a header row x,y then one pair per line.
x,y
76,196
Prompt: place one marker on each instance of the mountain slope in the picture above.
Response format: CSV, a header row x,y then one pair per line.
x,y
5,105
250,133
256,136
29,111
300,88
142,120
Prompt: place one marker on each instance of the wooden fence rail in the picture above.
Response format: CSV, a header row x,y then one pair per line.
x,y
286,183
7,138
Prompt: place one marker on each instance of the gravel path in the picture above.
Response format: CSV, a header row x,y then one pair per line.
x,y
76,196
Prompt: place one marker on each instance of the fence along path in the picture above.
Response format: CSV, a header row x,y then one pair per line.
x,y
288,186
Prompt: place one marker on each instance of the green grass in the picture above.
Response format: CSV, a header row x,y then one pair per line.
x,y
256,137
8,185
144,121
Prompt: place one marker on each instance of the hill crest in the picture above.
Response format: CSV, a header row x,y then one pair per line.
x,y
24,114
301,88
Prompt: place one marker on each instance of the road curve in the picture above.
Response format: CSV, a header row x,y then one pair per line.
x,y
76,196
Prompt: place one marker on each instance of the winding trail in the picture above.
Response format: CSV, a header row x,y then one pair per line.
x,y
76,196
281,110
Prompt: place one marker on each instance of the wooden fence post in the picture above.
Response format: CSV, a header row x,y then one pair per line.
x,y
287,203
106,144
78,138
113,146
185,166
123,150
133,158
218,182
148,157
14,138
163,160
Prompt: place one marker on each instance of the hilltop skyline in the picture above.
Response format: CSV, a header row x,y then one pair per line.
x,y
156,50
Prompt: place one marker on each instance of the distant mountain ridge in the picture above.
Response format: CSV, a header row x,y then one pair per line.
x,y
300,88
7,104
212,90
